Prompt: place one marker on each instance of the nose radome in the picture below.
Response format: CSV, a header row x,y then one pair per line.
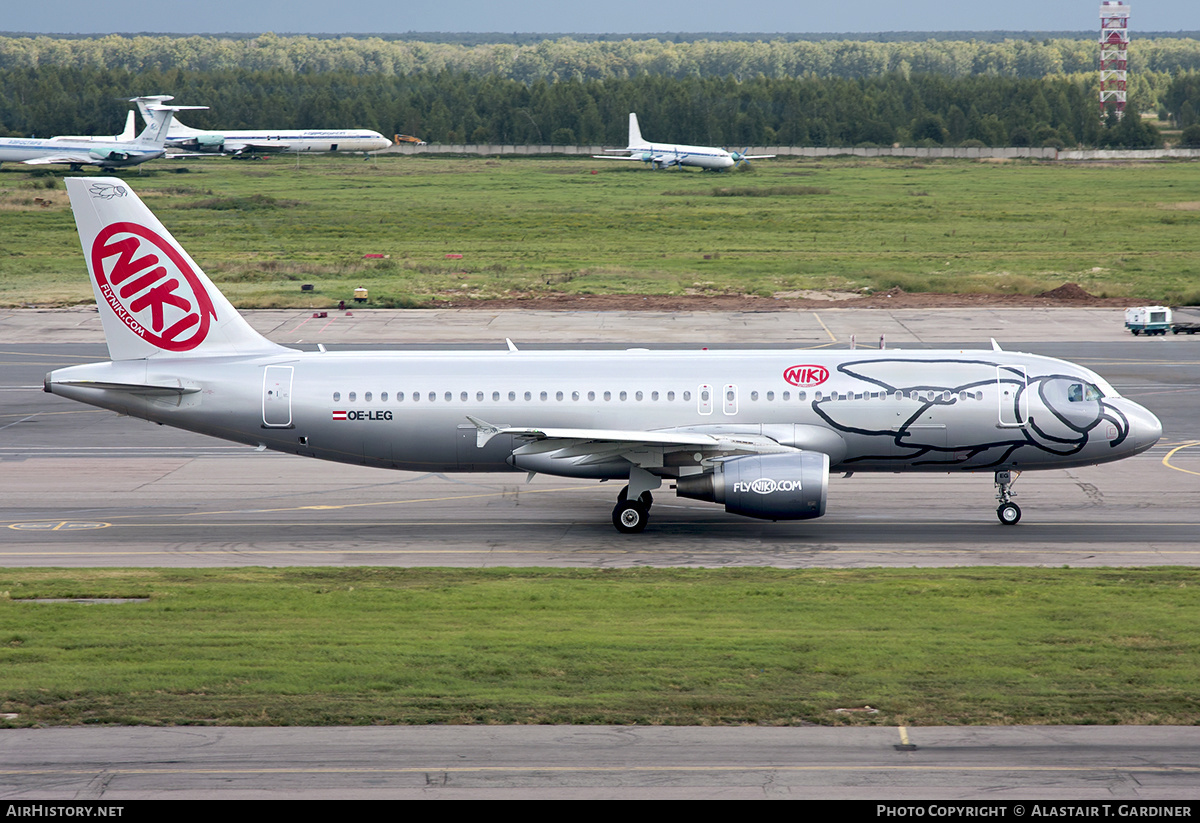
x,y
1145,426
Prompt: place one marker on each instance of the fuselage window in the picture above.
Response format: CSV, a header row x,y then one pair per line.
x,y
637,396
367,397
558,395
352,396
495,396
512,395
448,396
544,396
463,397
653,395
670,395
478,397
607,396
787,395
623,395
337,395
770,395
432,396
383,397
574,395
687,395
591,395
399,397
416,397
528,396
817,396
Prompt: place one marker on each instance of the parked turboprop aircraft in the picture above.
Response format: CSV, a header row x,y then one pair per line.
x,y
757,431
104,152
660,155
180,138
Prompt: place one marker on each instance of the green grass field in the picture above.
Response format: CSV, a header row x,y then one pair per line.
x,y
325,646
535,225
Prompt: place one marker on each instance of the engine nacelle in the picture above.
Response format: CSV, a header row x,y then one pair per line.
x,y
205,141
767,486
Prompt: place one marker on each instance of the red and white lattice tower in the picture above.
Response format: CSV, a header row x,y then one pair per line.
x,y
1114,47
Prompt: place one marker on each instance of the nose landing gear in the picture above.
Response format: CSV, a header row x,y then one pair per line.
x,y
1008,511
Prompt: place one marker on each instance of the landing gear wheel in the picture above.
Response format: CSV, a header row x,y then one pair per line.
x,y
1009,513
630,518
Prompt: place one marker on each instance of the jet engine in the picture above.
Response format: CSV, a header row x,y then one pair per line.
x,y
111,155
767,486
206,141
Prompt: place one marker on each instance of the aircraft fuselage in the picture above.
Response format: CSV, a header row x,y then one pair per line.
x,y
869,411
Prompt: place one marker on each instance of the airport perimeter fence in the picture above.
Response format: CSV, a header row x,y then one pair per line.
x,y
1008,153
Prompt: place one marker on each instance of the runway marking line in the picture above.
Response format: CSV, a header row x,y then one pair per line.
x,y
1166,461
244,551
832,336
62,525
699,769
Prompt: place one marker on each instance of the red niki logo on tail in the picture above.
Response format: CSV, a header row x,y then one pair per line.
x,y
151,287
804,376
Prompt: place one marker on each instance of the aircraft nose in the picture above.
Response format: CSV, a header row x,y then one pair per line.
x,y
1145,427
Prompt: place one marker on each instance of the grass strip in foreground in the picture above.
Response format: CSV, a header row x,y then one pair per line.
x,y
319,646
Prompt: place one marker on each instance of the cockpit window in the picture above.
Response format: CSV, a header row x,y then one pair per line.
x,y
1079,392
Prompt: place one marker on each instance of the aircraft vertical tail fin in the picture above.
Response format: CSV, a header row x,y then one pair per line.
x,y
155,133
152,297
635,132
130,132
160,118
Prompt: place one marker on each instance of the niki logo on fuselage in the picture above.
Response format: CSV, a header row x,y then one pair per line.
x,y
362,415
805,376
151,287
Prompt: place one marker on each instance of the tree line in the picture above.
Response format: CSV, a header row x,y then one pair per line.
x,y
458,107
571,59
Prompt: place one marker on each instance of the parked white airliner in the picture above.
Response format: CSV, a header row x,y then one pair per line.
x,y
661,155
757,431
105,152
181,138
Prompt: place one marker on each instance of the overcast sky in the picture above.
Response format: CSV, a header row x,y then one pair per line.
x,y
602,16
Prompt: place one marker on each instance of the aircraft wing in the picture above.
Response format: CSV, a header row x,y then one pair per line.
x,y
635,445
60,158
256,148
615,157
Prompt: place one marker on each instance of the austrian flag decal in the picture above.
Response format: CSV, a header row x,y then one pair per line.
x,y
339,415
151,287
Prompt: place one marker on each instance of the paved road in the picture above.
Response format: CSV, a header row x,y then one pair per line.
x,y
1105,764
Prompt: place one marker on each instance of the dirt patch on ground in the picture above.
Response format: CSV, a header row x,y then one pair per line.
x,y
1067,295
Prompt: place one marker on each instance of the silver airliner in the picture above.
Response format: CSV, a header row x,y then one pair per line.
x,y
756,431
664,155
106,152
243,143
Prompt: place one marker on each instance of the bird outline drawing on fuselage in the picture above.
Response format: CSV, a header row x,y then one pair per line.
x,y
1067,431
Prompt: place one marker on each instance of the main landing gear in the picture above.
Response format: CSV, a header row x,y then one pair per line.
x,y
1008,511
631,516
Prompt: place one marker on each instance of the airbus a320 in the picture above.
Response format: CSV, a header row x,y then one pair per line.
x,y
755,431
